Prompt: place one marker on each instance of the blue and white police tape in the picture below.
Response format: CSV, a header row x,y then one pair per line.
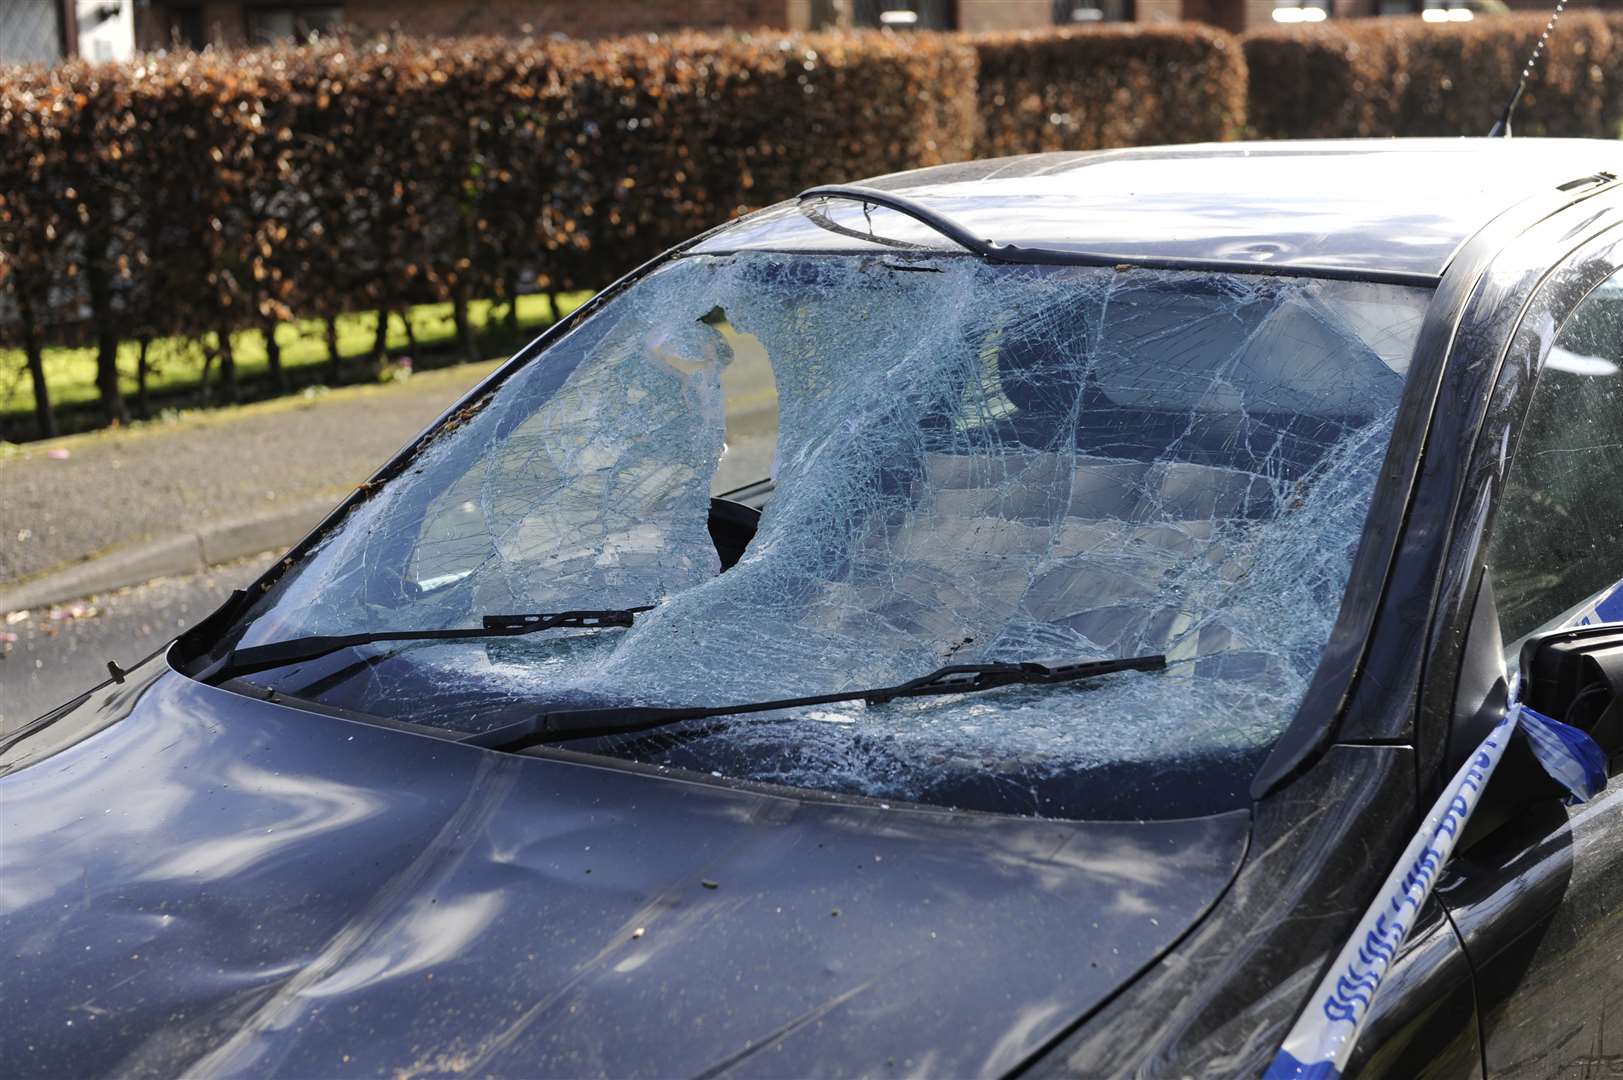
x,y
1607,609
1322,1040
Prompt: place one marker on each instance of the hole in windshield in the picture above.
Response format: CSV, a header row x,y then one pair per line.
x,y
979,464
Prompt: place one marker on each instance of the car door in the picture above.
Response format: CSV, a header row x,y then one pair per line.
x,y
1536,890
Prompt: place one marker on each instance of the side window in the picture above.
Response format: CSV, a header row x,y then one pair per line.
x,y
1556,554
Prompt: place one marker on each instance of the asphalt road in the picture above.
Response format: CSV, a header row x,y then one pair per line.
x,y
123,486
68,500
62,651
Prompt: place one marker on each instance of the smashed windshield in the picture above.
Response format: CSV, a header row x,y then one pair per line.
x,y
969,463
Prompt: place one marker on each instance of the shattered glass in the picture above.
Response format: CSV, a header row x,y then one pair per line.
x,y
970,463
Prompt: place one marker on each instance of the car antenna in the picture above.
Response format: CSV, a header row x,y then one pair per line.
x,y
1501,130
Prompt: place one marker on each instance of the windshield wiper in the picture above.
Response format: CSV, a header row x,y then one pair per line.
x,y
280,653
1019,254
957,679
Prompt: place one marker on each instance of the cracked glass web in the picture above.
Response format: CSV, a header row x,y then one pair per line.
x,y
972,463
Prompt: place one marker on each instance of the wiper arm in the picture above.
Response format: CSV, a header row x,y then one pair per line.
x,y
901,204
281,653
957,679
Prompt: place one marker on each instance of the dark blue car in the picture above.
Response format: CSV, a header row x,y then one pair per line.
x,y
1001,619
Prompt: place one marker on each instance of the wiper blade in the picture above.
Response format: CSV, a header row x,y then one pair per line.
x,y
281,653
957,679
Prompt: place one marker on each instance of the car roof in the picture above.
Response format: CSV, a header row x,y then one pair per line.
x,y
1387,206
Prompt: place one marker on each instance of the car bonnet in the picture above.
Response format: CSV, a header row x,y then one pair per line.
x,y
214,884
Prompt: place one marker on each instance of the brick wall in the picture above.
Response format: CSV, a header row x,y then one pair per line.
x,y
1238,16
1190,11
1350,9
975,16
1160,11
578,18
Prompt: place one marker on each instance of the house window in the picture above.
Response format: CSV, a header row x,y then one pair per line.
x,y
186,27
905,14
1301,11
1446,11
1083,12
31,31
270,26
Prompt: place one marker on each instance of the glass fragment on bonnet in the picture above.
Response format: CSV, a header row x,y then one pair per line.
x,y
972,463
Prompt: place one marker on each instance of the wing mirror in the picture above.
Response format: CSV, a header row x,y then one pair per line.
x,y
1576,676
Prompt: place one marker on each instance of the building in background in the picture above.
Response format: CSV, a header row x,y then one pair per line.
x,y
240,21
44,31
262,21
112,29
237,22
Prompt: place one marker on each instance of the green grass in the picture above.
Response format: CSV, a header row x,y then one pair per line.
x,y
176,364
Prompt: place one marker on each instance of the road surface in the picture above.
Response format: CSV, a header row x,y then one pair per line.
x,y
62,650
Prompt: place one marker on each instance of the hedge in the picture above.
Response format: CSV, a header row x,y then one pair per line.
x,y
197,194
1405,76
1101,87
201,193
